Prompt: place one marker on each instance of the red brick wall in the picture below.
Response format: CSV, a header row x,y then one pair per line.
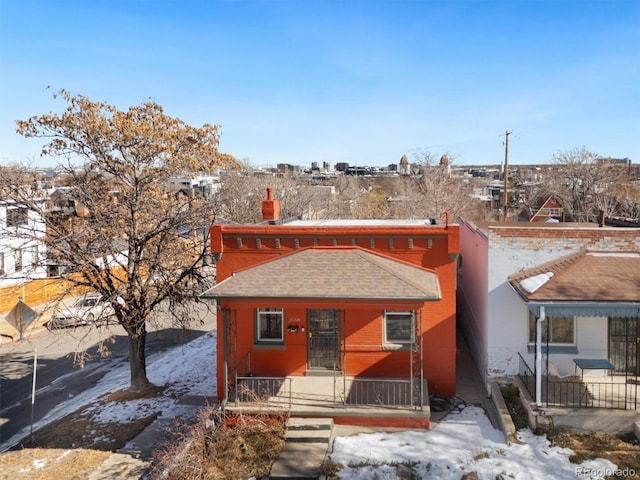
x,y
432,247
571,237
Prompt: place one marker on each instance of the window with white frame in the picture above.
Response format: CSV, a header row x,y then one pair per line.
x,y
17,260
270,325
35,257
555,330
399,327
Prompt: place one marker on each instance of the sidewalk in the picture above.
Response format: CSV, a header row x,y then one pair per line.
x,y
132,461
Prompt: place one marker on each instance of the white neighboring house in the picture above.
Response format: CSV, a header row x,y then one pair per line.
x,y
22,252
499,324
207,185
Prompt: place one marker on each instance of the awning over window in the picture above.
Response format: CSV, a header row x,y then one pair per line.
x,y
585,309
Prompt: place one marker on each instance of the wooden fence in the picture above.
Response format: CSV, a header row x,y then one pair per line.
x,y
35,292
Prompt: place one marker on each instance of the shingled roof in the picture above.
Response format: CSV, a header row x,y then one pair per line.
x,y
344,273
586,276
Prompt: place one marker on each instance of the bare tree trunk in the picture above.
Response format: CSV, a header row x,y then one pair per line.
x,y
138,360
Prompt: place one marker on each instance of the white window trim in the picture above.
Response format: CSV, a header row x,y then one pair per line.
x,y
387,313
270,311
18,260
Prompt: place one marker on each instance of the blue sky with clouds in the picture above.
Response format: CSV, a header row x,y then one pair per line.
x,y
354,81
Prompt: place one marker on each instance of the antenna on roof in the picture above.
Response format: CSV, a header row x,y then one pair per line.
x,y
506,173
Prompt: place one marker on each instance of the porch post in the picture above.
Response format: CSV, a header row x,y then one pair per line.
x,y
539,357
225,355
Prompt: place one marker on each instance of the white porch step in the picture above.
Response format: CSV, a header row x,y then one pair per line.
x,y
299,423
308,436
309,430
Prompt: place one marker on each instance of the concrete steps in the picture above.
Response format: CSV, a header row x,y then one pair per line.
x,y
306,446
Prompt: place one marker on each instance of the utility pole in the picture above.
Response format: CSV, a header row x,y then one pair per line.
x,y
506,174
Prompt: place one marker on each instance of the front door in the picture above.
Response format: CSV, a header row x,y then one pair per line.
x,y
324,339
624,345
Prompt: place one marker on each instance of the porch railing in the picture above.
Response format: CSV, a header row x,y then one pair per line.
x,y
270,391
381,393
589,394
365,392
574,392
527,376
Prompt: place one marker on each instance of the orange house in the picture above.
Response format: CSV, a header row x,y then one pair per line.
x,y
349,319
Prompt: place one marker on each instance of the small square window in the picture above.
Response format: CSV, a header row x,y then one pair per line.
x,y
17,216
399,327
555,330
270,325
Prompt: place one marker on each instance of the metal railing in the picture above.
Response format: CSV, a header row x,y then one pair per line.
x,y
381,393
268,391
527,376
577,392
369,392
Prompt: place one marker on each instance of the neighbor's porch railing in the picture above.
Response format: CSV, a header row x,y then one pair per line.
x,y
527,376
576,392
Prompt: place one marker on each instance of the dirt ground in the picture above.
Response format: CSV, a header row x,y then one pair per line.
x,y
72,447
623,450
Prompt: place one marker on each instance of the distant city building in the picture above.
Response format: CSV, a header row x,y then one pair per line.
x,y
206,185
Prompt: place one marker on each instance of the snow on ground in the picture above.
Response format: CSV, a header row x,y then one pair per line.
x,y
189,369
465,441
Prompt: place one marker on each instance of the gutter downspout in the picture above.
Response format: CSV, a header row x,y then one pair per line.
x,y
539,356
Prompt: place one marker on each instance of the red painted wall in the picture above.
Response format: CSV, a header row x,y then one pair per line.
x,y
432,247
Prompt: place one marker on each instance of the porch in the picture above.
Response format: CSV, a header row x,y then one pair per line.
x,y
351,400
611,391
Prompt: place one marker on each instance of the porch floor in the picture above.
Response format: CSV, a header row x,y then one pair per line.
x,y
325,396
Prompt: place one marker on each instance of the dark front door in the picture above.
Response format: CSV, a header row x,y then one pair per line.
x,y
324,339
624,345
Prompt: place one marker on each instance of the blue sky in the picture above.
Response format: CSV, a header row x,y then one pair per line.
x,y
354,81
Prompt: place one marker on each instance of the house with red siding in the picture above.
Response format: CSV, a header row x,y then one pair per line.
x,y
351,319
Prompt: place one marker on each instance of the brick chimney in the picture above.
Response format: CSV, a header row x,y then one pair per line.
x,y
270,208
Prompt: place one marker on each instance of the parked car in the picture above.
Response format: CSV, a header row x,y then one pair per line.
x,y
87,310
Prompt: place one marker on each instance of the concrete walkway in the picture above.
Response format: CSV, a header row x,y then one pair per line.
x,y
132,461
305,450
469,385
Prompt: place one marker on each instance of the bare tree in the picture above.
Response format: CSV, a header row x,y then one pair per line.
x,y
439,191
586,184
239,200
130,239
